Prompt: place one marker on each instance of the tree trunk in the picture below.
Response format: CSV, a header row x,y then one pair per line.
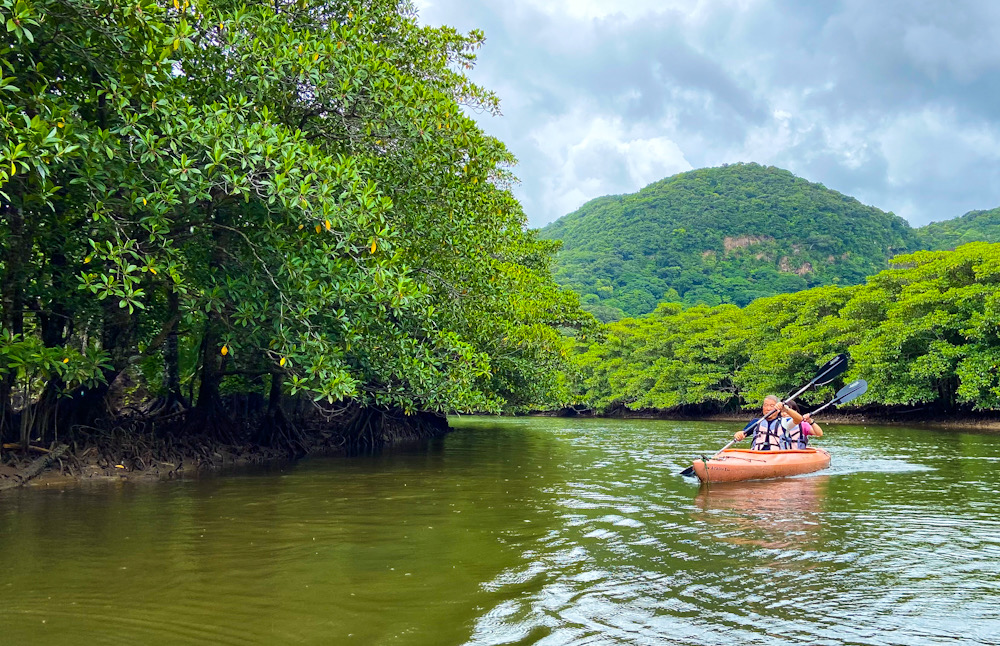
x,y
209,404
171,355
211,367
274,421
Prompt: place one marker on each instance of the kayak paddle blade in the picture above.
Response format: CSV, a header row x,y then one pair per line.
x,y
851,391
831,369
826,373
688,471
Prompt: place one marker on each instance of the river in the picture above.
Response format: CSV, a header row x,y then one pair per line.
x,y
523,531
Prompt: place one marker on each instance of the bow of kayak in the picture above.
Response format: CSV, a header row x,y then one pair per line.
x,y
742,464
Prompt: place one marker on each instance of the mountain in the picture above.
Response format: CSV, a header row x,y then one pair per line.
x,y
723,235
974,226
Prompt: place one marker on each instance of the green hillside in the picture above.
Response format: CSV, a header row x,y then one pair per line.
x,y
974,226
721,235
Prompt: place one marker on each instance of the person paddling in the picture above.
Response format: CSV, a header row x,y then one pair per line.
x,y
797,437
810,428
773,426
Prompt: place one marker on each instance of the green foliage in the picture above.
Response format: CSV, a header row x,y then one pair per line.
x,y
925,332
974,226
732,235
721,235
33,365
293,188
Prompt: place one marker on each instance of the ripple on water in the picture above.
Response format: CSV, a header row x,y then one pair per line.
x,y
789,566
526,532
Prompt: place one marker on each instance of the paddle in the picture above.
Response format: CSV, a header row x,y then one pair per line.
x,y
826,373
849,392
746,429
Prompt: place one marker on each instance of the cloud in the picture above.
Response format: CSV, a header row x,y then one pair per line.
x,y
893,102
587,156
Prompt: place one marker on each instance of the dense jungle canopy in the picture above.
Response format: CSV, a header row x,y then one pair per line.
x,y
731,235
259,198
925,333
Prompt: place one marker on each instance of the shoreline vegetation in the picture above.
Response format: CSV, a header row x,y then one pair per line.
x,y
967,420
924,335
237,234
234,232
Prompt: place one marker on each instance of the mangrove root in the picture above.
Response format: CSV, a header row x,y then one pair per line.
x,y
33,469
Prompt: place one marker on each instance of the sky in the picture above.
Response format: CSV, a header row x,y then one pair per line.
x,y
895,102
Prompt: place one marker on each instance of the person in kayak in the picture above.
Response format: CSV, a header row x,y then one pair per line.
x,y
773,426
811,428
797,437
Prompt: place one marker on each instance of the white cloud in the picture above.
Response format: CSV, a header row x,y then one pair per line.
x,y
653,159
602,9
894,102
932,146
590,155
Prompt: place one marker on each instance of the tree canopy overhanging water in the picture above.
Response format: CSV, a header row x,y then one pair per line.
x,y
257,200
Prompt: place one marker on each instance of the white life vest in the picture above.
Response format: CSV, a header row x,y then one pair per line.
x,y
770,436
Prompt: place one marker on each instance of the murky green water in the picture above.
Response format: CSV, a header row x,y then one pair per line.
x,y
526,531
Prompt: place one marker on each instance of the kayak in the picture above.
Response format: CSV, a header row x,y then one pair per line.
x,y
743,464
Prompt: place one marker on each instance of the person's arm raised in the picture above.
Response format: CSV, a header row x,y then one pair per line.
x,y
814,428
788,412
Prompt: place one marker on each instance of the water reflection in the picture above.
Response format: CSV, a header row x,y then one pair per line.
x,y
774,514
524,531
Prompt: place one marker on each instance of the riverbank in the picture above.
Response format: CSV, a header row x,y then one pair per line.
x,y
965,420
861,419
124,452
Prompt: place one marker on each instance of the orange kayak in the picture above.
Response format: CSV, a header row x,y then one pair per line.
x,y
743,464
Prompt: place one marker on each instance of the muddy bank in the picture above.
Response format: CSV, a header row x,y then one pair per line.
x,y
920,417
141,448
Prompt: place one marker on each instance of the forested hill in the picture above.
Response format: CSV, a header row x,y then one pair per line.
x,y
729,235
974,226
